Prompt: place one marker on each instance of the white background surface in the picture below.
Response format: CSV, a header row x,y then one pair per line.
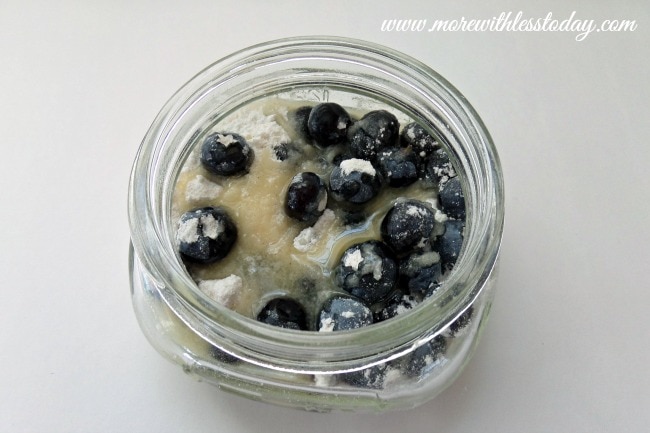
x,y
567,347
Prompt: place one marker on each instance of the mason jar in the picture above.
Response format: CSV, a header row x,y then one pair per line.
x,y
395,364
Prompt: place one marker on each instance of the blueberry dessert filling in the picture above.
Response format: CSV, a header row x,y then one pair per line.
x,y
438,169
226,154
399,166
355,181
460,325
398,303
373,377
448,244
306,197
419,140
205,235
408,226
285,313
222,356
452,200
301,217
374,132
367,271
328,123
342,313
425,357
300,121
421,272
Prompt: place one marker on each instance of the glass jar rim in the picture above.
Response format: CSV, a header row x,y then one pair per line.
x,y
308,351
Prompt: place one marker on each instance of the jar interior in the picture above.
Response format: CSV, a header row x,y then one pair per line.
x,y
222,90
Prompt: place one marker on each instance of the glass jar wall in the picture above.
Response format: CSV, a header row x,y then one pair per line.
x,y
397,363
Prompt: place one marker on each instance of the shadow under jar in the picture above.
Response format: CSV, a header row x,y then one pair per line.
x,y
396,363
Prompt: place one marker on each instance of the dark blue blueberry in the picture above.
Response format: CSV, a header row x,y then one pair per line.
x,y
299,119
422,143
451,198
399,166
328,124
438,168
407,226
354,217
284,313
433,288
342,313
222,356
286,151
281,152
398,303
226,154
306,197
425,357
374,132
449,243
420,271
205,235
355,181
462,321
340,157
425,280
367,271
371,377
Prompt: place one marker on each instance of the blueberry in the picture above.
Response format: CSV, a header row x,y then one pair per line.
x,y
284,313
367,271
281,152
340,157
341,313
205,235
452,200
371,377
226,154
372,133
354,217
438,168
306,197
398,303
222,356
433,288
426,281
299,119
286,151
407,226
425,357
420,271
328,124
422,143
449,243
355,181
462,321
399,166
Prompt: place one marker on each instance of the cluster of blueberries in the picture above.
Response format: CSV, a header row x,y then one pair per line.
x,y
383,276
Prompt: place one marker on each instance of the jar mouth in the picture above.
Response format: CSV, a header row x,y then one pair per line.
x,y
265,69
